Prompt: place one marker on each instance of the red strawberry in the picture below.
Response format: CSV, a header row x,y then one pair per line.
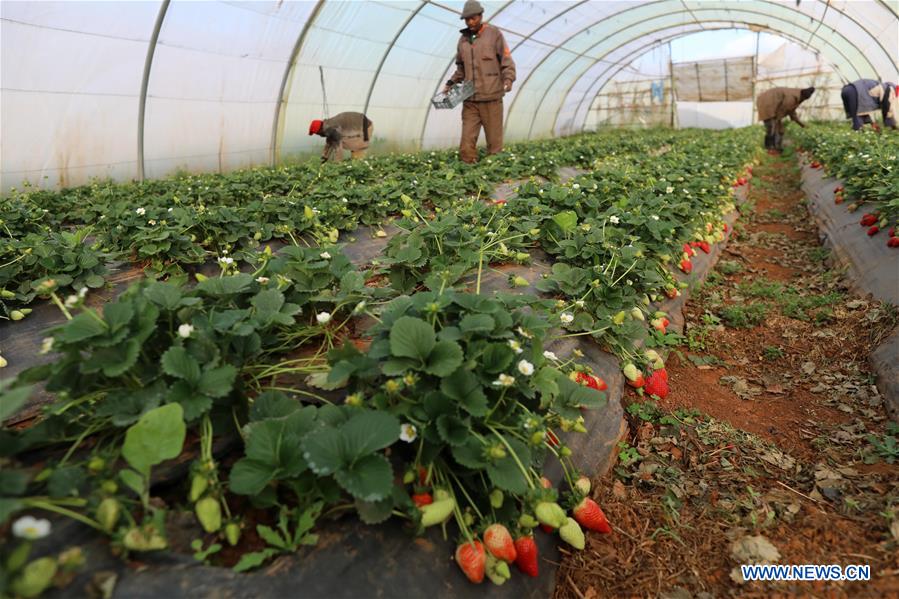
x,y
594,382
868,220
422,499
552,438
686,266
838,189
526,559
892,232
499,203
838,199
545,482
656,385
873,231
547,529
725,227
499,542
705,247
662,373
589,515
671,292
893,242
688,250
422,476
472,560
637,383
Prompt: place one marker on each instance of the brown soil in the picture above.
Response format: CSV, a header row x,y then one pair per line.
x,y
780,447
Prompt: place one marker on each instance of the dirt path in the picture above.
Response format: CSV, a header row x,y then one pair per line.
x,y
773,432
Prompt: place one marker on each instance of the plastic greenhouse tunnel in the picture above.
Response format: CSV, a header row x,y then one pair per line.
x,y
371,298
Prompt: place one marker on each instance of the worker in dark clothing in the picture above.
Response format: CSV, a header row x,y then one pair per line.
x,y
348,130
482,56
864,97
774,105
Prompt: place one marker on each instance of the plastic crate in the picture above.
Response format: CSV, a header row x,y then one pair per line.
x,y
455,96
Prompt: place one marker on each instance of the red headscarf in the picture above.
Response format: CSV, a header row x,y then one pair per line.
x,y
314,127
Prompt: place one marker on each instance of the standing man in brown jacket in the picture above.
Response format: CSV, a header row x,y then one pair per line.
x,y
347,130
482,56
776,104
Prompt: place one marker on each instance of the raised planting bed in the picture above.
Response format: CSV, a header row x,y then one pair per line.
x,y
416,381
852,184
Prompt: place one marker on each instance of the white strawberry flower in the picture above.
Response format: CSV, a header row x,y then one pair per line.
x,y
408,432
71,301
579,303
575,186
525,368
669,189
226,261
325,256
323,317
550,356
524,333
516,346
31,528
141,211
504,380
654,217
614,220
185,330
566,318
151,222
47,345
262,280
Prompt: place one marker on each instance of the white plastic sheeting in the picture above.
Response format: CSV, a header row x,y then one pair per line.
x,y
231,84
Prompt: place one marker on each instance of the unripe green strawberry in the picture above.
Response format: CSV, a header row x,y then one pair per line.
x,y
209,513
565,451
437,512
637,314
583,485
408,477
232,533
109,487
522,256
96,464
527,521
497,570
496,498
550,513
6,294
198,485
441,494
519,281
572,534
108,513
497,452
645,301
537,437
16,315
619,317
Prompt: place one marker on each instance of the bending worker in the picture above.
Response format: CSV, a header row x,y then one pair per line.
x,y
776,104
482,56
864,97
347,130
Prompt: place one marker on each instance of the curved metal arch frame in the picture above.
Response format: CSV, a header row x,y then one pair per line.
x,y
639,52
736,11
288,70
145,84
736,25
692,13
